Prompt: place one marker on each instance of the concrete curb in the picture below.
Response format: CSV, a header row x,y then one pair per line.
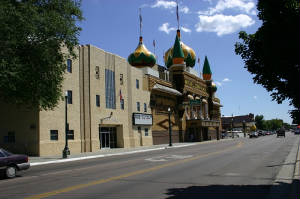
x,y
282,186
295,193
107,155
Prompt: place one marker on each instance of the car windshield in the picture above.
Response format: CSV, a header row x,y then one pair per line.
x,y
6,152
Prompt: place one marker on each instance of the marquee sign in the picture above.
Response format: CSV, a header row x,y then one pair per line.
x,y
142,119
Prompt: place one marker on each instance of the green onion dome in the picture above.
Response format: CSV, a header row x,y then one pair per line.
x,y
214,87
141,57
189,54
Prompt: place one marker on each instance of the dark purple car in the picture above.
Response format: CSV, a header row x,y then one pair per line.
x,y
11,163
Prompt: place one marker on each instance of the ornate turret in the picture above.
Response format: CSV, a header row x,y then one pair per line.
x,y
141,57
214,87
206,70
189,55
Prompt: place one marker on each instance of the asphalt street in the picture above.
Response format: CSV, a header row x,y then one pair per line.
x,y
234,168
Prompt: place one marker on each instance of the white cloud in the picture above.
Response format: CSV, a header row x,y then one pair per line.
x,y
164,4
218,83
223,24
226,80
186,29
184,9
255,97
246,6
165,28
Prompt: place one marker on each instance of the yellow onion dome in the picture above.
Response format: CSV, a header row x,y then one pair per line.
x,y
214,87
141,57
189,54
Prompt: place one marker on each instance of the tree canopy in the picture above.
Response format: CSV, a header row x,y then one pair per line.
x,y
271,54
32,36
272,124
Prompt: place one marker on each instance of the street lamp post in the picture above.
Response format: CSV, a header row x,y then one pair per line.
x,y
66,150
232,126
170,127
244,128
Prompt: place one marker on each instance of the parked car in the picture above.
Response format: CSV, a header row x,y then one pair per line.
x,y
281,132
268,133
253,134
297,131
11,163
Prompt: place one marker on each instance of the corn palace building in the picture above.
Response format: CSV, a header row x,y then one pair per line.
x,y
114,103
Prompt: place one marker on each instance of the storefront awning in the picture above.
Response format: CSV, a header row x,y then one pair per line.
x,y
166,89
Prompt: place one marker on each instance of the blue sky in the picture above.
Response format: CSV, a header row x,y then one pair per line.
x,y
210,27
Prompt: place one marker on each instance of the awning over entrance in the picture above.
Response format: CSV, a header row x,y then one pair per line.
x,y
166,89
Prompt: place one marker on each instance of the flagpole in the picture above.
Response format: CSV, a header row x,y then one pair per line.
x,y
177,14
140,18
154,45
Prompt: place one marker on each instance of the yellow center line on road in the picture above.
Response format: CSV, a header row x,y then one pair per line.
x,y
134,173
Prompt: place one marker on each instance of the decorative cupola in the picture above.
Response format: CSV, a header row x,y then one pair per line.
x,y
141,57
189,55
206,70
214,87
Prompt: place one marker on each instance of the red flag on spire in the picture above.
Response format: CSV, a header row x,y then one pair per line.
x,y
121,97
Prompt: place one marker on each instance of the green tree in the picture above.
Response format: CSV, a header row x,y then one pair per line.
x,y
272,53
259,121
32,36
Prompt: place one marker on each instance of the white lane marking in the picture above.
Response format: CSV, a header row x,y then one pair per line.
x,y
167,158
231,174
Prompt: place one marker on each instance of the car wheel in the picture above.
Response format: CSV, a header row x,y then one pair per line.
x,y
11,172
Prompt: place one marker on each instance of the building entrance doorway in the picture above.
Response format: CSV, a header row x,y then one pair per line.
x,y
205,134
108,137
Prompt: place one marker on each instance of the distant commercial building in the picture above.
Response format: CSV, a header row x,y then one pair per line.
x,y
238,122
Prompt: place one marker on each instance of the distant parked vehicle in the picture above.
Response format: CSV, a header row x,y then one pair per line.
x,y
268,133
281,132
253,134
11,163
297,131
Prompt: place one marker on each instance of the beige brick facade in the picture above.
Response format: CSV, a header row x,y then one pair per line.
x,y
32,128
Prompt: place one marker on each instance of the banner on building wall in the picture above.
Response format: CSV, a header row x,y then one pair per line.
x,y
142,119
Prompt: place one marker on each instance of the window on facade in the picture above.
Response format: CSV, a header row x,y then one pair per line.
x,y
10,137
146,132
97,72
110,90
53,134
138,106
69,65
137,82
98,100
121,79
145,107
71,135
139,129
70,100
122,104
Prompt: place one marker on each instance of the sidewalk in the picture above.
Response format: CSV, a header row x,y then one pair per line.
x,y
34,161
286,183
